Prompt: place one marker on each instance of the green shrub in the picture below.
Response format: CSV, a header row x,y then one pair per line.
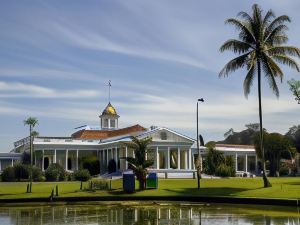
x,y
82,175
91,163
21,171
69,176
223,171
37,174
284,171
213,160
55,172
8,174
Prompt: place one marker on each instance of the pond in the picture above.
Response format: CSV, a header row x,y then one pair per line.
x,y
148,213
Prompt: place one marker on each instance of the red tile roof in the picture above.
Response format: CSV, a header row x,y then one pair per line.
x,y
103,134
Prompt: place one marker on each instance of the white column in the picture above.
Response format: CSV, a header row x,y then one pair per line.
x,y
190,158
66,159
12,162
43,160
116,158
157,158
246,162
236,162
186,159
54,156
77,160
168,158
178,158
126,155
106,159
0,166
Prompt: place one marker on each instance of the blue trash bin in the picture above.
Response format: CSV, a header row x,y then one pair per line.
x,y
128,182
152,181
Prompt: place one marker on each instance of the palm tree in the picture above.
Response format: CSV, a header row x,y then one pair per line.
x,y
260,47
31,121
139,163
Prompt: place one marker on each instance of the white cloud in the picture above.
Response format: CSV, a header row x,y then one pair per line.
x,y
23,90
95,41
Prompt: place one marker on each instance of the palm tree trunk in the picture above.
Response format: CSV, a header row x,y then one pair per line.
x,y
265,179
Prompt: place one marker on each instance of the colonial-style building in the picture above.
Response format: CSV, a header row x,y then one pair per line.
x,y
172,152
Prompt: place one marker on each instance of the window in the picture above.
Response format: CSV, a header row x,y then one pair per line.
x,y
112,123
163,136
105,123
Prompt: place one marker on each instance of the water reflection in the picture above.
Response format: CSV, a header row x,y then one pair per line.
x,y
147,214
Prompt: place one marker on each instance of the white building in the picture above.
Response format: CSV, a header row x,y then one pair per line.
x,y
171,151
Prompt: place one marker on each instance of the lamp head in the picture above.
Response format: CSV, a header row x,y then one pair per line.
x,y
200,100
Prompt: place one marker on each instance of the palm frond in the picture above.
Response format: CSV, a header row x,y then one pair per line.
x,y
270,14
279,39
246,33
234,64
275,68
277,21
284,50
236,46
249,80
278,31
245,16
257,22
284,59
270,75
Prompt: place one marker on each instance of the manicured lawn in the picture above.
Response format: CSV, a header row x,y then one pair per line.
x,y
285,188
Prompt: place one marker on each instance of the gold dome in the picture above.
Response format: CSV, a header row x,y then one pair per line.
x,y
109,110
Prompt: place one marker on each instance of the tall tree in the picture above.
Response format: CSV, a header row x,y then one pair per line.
x,y
295,88
139,163
260,47
276,147
31,122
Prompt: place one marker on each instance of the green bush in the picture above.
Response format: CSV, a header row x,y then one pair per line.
x,y
213,160
69,176
21,171
223,171
55,172
37,174
284,171
82,175
8,174
91,163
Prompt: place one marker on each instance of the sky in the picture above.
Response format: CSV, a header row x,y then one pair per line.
x,y
57,56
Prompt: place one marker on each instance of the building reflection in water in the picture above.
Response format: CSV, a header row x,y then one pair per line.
x,y
138,215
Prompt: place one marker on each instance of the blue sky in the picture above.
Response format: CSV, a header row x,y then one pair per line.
x,y
56,58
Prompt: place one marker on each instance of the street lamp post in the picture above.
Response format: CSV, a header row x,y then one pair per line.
x,y
198,147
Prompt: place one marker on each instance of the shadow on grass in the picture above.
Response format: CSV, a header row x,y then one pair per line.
x,y
187,192
292,183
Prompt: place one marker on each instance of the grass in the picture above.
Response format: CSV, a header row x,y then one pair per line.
x,y
283,188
